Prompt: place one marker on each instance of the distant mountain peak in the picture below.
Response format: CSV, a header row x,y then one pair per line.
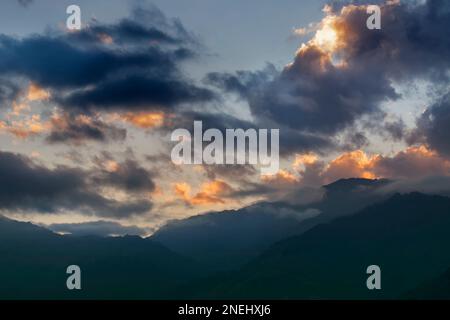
x,y
351,183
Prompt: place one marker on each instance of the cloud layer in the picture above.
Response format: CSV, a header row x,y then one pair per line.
x,y
346,72
29,187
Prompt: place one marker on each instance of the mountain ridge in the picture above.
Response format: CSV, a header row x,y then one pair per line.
x,y
206,237
329,261
406,234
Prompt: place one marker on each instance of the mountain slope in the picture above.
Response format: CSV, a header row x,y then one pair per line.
x,y
407,236
227,240
34,261
436,289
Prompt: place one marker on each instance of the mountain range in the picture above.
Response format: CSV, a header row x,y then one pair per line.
x,y
34,262
250,253
226,240
407,236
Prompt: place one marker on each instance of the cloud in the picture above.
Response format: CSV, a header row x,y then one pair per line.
x,y
290,139
146,25
25,127
8,92
77,129
281,177
355,164
412,163
346,71
138,93
23,57
439,185
129,176
97,228
29,187
311,96
25,3
62,128
310,171
433,126
394,129
131,65
143,120
213,192
297,214
223,171
35,93
410,42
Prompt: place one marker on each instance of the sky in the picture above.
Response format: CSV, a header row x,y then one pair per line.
x,y
86,116
223,26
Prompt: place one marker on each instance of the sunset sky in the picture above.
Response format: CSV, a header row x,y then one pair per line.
x,y
86,116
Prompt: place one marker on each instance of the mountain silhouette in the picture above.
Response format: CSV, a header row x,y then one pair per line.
x,y
34,262
436,289
407,236
226,240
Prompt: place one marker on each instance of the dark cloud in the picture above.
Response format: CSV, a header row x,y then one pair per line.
x,y
433,127
233,172
134,64
24,3
308,107
97,228
137,92
354,140
26,186
311,95
145,26
409,44
321,93
275,191
78,129
8,92
326,102
54,62
395,129
290,139
411,40
242,82
129,176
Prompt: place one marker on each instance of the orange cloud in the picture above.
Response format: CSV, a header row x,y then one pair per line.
x,y
183,190
105,38
355,164
23,129
414,162
143,120
326,37
63,121
330,37
18,108
111,166
417,162
305,159
281,177
334,36
210,193
35,93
